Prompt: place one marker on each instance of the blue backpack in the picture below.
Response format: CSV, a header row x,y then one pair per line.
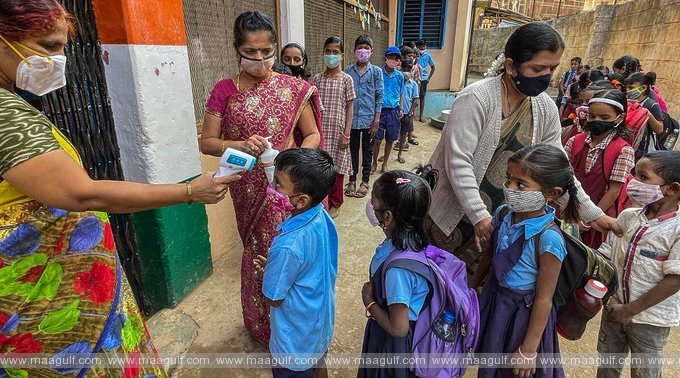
x,y
447,279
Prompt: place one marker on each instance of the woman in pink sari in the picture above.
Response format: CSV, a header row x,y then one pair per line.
x,y
240,112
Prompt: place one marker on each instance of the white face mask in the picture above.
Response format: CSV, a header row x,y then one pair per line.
x,y
39,74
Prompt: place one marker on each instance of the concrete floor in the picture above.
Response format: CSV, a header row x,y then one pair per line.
x,y
209,319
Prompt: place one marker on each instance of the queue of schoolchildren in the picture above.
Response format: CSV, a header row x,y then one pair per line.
x,y
543,273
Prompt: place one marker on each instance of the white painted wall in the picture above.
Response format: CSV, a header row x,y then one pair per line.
x,y
292,21
151,99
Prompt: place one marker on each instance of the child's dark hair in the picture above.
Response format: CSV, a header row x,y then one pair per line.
x,y
550,167
409,203
576,59
584,81
629,65
530,39
282,69
620,97
337,40
411,44
251,22
311,171
363,40
407,65
405,50
586,67
666,165
421,43
647,79
600,85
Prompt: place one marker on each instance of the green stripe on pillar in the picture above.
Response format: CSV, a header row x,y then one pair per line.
x,y
174,252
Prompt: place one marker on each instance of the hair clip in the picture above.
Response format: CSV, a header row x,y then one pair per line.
x,y
402,180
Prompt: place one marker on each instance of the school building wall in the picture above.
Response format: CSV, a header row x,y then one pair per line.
x,y
209,28
324,19
648,30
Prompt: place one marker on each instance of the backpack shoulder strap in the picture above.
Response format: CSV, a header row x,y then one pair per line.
x,y
578,144
415,262
537,239
612,153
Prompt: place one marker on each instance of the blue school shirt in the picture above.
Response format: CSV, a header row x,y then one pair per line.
x,y
524,274
394,85
410,92
369,90
425,61
301,270
401,285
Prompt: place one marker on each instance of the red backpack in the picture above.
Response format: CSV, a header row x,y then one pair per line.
x,y
636,117
611,153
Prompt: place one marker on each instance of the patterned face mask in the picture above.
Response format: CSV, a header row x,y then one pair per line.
x,y
521,201
643,194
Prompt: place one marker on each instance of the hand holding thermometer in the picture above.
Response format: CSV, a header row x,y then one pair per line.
x,y
234,161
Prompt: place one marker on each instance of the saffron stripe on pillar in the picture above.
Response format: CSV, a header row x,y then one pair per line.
x,y
147,72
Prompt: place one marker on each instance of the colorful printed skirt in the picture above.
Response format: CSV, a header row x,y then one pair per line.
x,y
64,297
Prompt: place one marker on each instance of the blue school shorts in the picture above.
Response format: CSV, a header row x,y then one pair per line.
x,y
390,125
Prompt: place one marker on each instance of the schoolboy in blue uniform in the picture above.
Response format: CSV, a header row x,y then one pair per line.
x,y
300,272
390,124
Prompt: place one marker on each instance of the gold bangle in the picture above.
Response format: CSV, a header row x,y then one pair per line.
x,y
190,193
224,146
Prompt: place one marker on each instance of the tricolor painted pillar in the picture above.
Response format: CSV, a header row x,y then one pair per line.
x,y
147,73
292,21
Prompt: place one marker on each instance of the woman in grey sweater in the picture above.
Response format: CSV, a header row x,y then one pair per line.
x,y
490,120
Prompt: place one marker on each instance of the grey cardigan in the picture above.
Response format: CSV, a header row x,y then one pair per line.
x,y
468,142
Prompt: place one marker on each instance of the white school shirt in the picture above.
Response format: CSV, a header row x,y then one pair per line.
x,y
648,250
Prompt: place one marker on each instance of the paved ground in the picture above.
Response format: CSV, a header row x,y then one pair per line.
x,y
209,320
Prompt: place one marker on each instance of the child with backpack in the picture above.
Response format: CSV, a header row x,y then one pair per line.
x,y
602,157
639,316
525,257
410,282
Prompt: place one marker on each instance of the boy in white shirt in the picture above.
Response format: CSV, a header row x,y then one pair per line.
x,y
647,258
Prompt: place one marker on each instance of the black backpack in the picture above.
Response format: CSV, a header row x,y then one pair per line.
x,y
579,265
670,124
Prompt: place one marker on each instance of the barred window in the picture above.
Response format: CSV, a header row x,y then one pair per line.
x,y
422,19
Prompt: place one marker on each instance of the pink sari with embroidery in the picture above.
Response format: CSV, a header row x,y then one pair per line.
x,y
269,108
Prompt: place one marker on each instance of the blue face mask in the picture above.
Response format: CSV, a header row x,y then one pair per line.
x,y
332,61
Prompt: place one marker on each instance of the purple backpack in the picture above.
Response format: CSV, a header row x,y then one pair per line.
x,y
447,278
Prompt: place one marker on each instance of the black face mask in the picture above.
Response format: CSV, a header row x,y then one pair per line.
x,y
532,86
297,70
600,127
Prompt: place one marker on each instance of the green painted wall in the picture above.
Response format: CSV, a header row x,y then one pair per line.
x,y
174,252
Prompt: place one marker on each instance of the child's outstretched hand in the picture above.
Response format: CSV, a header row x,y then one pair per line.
x,y
260,262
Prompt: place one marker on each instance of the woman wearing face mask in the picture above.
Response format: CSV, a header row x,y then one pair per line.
x,y
294,56
63,288
241,111
491,120
602,157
